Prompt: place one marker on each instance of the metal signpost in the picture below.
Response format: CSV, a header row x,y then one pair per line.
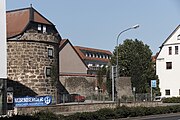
x,y
113,80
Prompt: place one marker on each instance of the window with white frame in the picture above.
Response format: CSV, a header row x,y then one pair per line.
x,y
176,50
168,65
167,92
50,52
170,50
48,71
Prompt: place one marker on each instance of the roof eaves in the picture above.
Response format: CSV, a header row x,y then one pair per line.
x,y
43,16
170,35
17,9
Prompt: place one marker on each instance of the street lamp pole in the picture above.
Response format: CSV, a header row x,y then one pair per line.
x,y
133,27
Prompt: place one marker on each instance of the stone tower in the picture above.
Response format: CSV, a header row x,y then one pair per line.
x,y
32,50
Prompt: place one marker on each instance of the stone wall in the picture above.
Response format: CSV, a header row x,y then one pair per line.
x,y
27,61
84,107
86,85
79,84
123,87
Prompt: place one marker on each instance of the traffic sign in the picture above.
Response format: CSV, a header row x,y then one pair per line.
x,y
153,83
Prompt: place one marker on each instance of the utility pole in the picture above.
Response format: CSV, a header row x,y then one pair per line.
x,y
113,81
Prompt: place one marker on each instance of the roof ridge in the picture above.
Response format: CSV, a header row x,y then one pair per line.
x,y
95,49
18,9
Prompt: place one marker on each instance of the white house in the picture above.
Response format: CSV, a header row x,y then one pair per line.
x,y
168,65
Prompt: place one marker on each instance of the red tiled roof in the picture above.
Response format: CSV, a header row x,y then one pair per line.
x,y
17,20
40,19
155,57
78,49
94,50
63,42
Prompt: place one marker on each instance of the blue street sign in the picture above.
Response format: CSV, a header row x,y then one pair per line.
x,y
153,83
32,101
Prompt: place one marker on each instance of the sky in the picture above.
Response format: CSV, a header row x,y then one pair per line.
x,y
97,23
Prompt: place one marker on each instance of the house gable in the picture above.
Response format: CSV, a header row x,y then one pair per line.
x,y
70,61
173,37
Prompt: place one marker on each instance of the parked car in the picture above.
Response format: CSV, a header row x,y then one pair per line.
x,y
77,98
158,98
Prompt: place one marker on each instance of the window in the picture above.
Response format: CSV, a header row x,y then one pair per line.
x,y
178,37
44,29
167,92
50,52
170,50
176,50
48,72
168,65
39,27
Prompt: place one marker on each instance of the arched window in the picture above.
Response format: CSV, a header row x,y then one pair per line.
x,y
178,37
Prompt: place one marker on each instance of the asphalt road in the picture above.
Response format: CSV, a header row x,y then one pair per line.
x,y
172,116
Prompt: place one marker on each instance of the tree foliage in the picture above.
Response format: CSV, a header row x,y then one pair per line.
x,y
134,60
100,74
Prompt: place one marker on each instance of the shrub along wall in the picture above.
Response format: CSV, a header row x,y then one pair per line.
x,y
171,100
102,114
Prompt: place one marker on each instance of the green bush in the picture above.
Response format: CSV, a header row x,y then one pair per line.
x,y
46,115
171,100
20,117
102,114
122,112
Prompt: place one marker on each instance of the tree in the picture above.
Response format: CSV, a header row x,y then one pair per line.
x,y
134,60
100,74
109,81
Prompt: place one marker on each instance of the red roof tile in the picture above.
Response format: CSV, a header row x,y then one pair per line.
x,y
94,50
78,49
17,20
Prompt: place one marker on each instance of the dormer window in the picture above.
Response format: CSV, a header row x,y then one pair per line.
x,y
39,27
44,28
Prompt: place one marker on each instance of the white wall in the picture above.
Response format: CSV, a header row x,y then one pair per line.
x,y
3,45
169,78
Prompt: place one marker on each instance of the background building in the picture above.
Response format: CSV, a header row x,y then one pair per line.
x,y
70,62
94,58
